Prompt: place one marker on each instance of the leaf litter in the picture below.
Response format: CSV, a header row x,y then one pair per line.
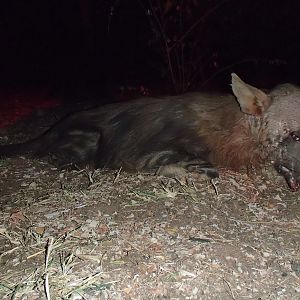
x,y
105,234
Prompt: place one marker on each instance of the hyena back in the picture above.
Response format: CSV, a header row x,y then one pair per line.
x,y
173,135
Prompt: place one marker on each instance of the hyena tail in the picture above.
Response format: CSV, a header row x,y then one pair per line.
x,y
26,148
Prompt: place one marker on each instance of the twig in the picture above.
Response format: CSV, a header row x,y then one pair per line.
x,y
215,187
117,175
47,258
197,23
230,292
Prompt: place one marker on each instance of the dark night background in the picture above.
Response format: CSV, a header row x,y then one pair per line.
x,y
89,49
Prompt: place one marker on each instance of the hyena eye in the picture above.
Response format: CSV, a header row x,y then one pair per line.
x,y
295,135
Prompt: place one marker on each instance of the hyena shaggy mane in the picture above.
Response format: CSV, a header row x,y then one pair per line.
x,y
174,135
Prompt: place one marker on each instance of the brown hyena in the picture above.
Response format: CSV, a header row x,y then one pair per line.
x,y
173,135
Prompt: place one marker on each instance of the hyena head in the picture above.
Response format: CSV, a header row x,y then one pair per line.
x,y
288,163
275,118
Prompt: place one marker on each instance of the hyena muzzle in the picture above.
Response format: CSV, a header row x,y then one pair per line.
x,y
174,135
288,163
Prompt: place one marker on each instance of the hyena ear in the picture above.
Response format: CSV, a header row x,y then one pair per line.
x,y
252,100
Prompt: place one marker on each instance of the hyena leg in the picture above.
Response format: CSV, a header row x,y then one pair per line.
x,y
171,163
202,167
183,167
75,148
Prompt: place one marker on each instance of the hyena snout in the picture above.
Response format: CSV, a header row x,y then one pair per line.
x,y
288,164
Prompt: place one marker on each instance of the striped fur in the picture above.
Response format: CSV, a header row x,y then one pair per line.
x,y
175,135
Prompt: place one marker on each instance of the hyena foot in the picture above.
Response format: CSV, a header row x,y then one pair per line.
x,y
182,169
62,162
172,170
202,167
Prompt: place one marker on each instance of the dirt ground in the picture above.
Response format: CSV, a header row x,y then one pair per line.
x,y
113,235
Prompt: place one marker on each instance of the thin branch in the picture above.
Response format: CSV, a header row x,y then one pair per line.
x,y
198,22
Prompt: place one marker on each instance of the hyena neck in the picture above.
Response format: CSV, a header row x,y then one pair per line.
x,y
246,145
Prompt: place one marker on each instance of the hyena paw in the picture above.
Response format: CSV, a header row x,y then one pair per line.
x,y
202,167
210,172
172,170
183,168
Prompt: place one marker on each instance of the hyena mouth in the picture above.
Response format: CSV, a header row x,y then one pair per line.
x,y
291,177
289,163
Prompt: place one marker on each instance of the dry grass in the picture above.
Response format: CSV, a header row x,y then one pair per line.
x,y
112,235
